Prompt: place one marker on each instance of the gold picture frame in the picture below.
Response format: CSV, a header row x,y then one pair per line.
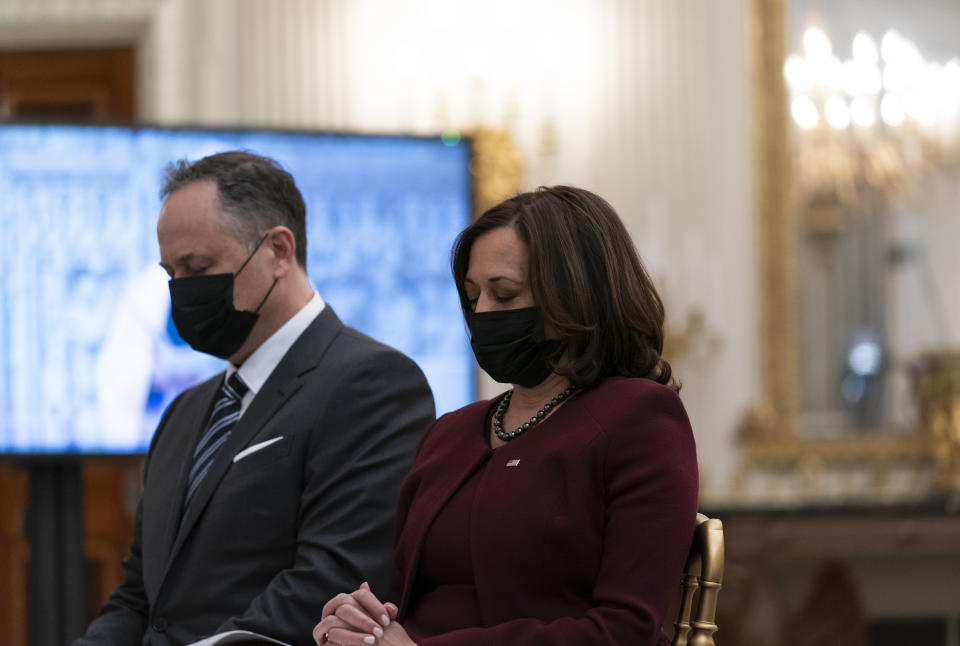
x,y
495,168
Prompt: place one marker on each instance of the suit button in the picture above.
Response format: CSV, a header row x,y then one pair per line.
x,y
160,624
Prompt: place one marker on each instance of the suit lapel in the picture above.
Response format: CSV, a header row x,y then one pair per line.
x,y
167,468
263,406
285,380
442,474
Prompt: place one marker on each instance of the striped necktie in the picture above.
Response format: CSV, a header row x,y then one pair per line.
x,y
226,412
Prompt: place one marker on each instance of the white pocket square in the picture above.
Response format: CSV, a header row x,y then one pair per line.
x,y
256,447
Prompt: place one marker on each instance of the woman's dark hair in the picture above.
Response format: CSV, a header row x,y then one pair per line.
x,y
587,280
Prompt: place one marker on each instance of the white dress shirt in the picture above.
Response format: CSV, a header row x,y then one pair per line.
x,y
258,366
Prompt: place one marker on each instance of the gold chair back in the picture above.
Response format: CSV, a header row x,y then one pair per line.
x,y
704,571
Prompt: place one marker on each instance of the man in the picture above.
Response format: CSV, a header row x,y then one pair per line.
x,y
271,487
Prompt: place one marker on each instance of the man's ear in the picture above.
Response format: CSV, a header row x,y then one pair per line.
x,y
284,247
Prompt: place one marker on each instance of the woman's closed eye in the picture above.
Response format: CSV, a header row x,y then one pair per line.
x,y
502,300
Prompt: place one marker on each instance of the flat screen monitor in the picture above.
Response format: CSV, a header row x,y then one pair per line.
x,y
89,357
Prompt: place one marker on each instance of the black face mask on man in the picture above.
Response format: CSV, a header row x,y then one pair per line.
x,y
203,311
511,345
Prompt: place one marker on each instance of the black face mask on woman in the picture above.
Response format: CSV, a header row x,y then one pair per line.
x,y
202,309
511,346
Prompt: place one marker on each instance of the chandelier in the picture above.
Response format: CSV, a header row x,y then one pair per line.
x,y
875,123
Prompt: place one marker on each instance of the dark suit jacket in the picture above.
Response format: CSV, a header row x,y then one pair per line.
x,y
584,541
266,541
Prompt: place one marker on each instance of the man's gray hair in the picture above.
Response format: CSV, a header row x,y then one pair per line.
x,y
255,194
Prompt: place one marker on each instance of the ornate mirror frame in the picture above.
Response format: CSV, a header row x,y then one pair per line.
x,y
778,463
495,168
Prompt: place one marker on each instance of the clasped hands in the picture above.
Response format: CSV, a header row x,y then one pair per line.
x,y
360,619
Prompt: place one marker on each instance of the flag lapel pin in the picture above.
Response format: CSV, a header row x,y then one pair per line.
x,y
513,463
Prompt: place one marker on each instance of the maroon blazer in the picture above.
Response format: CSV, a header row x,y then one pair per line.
x,y
584,540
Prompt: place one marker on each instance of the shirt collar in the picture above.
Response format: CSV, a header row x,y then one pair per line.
x,y
258,366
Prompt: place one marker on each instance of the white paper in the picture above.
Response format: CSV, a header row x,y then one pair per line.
x,y
237,637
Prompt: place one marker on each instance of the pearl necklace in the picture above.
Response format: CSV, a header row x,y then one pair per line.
x,y
502,409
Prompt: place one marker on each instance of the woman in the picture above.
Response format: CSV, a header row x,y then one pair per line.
x,y
562,511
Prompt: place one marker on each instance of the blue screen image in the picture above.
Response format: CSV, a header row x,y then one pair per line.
x,y
89,357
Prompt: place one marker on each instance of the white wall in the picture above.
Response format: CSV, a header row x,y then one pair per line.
x,y
645,102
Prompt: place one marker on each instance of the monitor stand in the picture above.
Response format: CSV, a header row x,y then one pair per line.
x,y
56,567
